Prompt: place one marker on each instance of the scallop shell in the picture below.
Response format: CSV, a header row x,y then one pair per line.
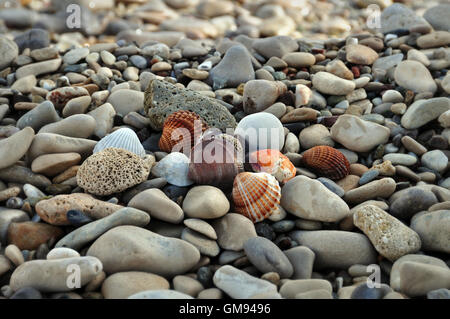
x,y
256,195
274,163
124,138
327,161
174,167
173,133
216,159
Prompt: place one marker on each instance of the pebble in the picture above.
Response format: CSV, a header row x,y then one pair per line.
x,y
206,202
277,46
91,231
234,68
205,245
38,68
423,111
433,40
408,273
329,83
78,105
336,249
432,228
292,288
39,116
104,119
187,285
379,188
369,176
260,94
154,253
360,54
29,235
233,230
437,16
9,51
315,135
126,101
413,146
122,285
14,147
406,75
390,237
239,285
51,275
160,294
350,131
201,227
61,252
299,59
435,160
157,205
310,199
399,16
400,159
302,261
267,257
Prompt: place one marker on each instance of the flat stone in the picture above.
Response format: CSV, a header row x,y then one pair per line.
x,y
315,135
233,230
126,101
83,235
294,287
61,252
206,202
54,210
153,253
39,116
357,134
187,285
51,275
400,159
260,94
435,160
438,15
38,68
302,260
162,99
360,54
29,235
299,59
413,75
267,257
104,119
205,245
78,105
399,16
15,147
390,237
331,84
160,294
433,40
239,285
8,216
53,164
122,285
432,228
379,188
276,46
412,201
309,199
336,249
8,52
21,174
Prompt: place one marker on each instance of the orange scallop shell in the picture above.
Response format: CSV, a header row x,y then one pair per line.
x,y
327,161
179,128
273,162
256,195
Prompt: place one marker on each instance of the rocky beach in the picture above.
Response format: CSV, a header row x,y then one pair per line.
x,y
235,149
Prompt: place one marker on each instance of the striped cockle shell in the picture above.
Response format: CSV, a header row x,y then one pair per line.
x,y
124,138
179,130
273,162
327,161
256,195
216,160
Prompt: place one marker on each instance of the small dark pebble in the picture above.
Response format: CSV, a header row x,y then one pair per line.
x,y
264,230
77,218
205,276
27,293
14,203
363,291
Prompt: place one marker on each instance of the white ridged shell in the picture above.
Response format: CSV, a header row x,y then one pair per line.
x,y
124,138
174,167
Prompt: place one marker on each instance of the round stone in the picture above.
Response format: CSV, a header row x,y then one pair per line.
x,y
205,202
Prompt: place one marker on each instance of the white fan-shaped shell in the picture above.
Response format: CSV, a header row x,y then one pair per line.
x,y
174,167
124,138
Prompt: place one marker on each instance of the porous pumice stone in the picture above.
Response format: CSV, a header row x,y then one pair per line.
x,y
112,170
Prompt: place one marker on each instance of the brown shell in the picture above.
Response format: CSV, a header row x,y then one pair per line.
x,y
178,121
215,160
327,161
256,195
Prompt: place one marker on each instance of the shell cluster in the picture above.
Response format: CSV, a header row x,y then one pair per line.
x,y
273,162
327,161
216,159
256,195
179,130
123,138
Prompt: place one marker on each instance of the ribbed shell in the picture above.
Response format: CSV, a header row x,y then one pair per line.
x,y
180,120
256,195
273,162
327,161
124,138
214,160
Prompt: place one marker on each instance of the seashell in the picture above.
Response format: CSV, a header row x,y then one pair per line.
x,y
174,167
179,130
256,195
124,138
274,163
216,159
327,161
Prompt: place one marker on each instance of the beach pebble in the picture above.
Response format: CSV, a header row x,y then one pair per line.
x,y
8,52
292,288
29,235
206,202
233,230
360,54
379,188
412,201
157,205
62,252
423,111
14,147
406,75
331,84
357,134
239,285
267,257
160,294
437,16
39,116
302,260
336,249
390,237
435,160
309,199
122,285
315,135
206,246
153,253
432,228
126,101
187,285
260,94
299,59
51,275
